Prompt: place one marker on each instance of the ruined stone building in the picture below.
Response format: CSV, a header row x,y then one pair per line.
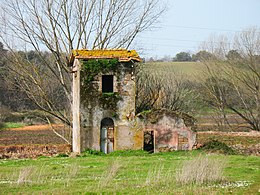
x,y
165,130
104,115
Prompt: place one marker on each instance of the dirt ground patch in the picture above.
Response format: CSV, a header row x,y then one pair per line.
x,y
43,135
31,135
33,141
37,127
235,134
33,151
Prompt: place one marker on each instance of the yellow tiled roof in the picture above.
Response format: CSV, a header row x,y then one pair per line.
x,y
122,55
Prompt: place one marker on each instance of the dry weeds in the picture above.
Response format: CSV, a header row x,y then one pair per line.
x,y
201,170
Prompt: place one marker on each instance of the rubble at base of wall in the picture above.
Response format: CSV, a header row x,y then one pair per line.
x,y
33,151
171,149
165,149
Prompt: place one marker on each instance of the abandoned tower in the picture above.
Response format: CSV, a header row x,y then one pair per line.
x,y
103,108
104,100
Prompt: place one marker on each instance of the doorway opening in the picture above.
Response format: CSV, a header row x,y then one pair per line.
x,y
149,141
107,135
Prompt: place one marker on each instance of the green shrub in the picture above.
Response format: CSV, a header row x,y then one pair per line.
x,y
217,146
88,152
62,155
11,125
36,117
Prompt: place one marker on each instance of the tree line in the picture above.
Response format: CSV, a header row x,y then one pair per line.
x,y
39,36
231,82
197,57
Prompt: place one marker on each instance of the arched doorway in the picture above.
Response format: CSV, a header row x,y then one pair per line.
x,y
107,135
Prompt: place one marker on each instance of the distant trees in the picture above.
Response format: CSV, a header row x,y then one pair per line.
x,y
233,55
182,57
202,56
187,57
230,83
4,91
11,95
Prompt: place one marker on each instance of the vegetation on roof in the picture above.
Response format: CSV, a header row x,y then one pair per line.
x,y
106,54
154,116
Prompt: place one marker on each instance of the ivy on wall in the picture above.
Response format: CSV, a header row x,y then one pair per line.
x,y
109,100
89,93
93,67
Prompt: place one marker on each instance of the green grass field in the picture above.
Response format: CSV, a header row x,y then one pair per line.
x,y
193,70
126,173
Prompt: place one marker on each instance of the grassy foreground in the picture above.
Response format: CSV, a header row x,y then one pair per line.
x,y
128,173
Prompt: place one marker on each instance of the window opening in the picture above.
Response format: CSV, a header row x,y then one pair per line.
x,y
107,83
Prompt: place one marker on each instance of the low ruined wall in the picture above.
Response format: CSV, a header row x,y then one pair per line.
x,y
171,133
33,151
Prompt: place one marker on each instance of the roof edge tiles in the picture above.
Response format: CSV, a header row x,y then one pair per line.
x,y
122,55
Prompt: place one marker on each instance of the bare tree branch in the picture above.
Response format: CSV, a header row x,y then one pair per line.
x,y
57,27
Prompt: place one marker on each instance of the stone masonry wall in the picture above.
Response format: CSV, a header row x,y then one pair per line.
x,y
172,134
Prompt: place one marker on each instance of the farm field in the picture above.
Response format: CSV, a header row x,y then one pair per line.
x,y
34,134
193,70
129,172
43,135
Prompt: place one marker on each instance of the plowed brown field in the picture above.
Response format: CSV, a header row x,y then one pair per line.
x,y
43,135
36,134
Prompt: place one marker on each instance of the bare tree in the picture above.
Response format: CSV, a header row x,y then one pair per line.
x,y
59,26
163,89
148,89
236,81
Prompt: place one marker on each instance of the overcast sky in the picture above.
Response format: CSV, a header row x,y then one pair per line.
x,y
190,22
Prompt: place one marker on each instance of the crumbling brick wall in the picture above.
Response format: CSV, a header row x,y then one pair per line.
x,y
172,131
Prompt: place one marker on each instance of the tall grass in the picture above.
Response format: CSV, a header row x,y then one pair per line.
x,y
25,175
71,174
166,173
201,170
155,175
110,174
